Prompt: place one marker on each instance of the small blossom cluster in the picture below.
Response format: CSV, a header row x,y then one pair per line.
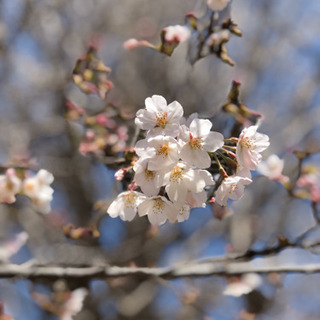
x,y
172,160
104,133
91,75
309,183
62,302
36,187
249,146
208,35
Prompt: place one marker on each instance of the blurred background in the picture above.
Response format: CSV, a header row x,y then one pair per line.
x,y
277,62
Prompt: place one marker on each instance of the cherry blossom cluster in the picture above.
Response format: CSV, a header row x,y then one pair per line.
x,y
36,187
170,171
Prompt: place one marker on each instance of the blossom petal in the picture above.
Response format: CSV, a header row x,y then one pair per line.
x,y
200,127
214,141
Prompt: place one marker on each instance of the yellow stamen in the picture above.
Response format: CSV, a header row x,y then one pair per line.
x,y
149,175
176,174
195,143
233,188
130,200
163,150
158,205
161,119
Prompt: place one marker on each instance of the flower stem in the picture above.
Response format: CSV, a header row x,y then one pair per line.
x,y
228,160
229,153
221,169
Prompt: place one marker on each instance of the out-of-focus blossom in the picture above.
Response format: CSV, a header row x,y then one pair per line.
x,y
272,168
158,117
197,141
74,304
10,185
119,175
249,146
217,4
101,139
132,43
243,285
232,187
63,303
91,75
217,38
4,316
38,189
176,33
73,232
11,247
310,180
158,209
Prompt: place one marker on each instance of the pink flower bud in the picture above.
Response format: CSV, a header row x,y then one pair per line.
x,y
131,44
119,175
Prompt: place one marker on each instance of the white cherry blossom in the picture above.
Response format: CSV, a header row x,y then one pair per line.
x,y
196,200
243,172
183,213
10,185
232,187
163,152
217,4
187,121
146,179
197,141
176,33
182,178
180,213
38,189
249,146
158,209
158,117
125,205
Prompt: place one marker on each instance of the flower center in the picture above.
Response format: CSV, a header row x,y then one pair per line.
x,y
158,205
149,175
29,186
195,143
130,200
161,119
183,210
247,143
163,150
176,174
233,187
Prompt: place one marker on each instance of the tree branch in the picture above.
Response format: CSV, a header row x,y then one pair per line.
x,y
218,267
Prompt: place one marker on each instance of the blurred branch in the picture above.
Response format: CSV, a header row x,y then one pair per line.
x,y
219,267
